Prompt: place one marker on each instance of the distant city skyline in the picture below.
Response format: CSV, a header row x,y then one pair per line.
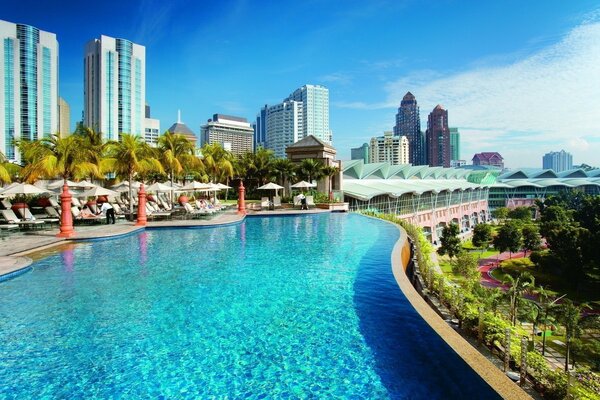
x,y
502,75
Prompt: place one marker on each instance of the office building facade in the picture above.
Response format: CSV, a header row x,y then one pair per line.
x,y
234,134
260,128
315,111
438,138
360,153
408,124
114,87
29,85
558,161
454,144
284,126
64,117
151,131
389,148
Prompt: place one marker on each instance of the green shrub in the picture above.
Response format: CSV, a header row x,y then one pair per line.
x,y
555,384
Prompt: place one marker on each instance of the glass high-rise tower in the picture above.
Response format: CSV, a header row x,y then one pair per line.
x,y
315,110
558,161
114,87
408,124
438,138
29,85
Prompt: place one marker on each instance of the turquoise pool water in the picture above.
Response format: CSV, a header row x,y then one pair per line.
x,y
291,307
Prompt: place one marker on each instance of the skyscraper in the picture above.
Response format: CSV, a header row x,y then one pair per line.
x,y
389,148
408,124
284,125
360,153
315,111
454,144
29,82
558,161
114,87
438,138
234,134
260,128
64,117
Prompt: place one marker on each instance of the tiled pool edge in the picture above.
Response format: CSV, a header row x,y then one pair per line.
x,y
20,265
482,366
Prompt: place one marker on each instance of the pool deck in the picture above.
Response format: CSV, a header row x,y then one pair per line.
x,y
14,248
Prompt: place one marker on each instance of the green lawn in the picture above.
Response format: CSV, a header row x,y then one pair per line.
x,y
468,245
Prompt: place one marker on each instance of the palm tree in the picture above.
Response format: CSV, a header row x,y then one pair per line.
x,y
256,166
131,156
283,170
517,288
177,154
310,169
329,171
4,169
93,141
68,157
218,162
571,317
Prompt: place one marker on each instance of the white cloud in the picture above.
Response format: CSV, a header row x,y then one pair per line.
x,y
549,100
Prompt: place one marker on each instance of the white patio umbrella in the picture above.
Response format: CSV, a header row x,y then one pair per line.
x,y
57,184
99,191
303,185
271,186
134,185
195,186
159,187
23,188
8,187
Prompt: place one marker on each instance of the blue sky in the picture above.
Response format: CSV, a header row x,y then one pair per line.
x,y
521,78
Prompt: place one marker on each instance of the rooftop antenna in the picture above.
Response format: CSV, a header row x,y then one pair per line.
x,y
178,116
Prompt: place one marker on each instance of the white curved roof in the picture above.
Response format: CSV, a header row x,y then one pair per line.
x,y
366,189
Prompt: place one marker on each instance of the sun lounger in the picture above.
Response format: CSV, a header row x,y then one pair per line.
x,y
297,201
84,215
52,212
28,216
152,213
264,203
12,218
6,204
54,203
276,202
190,211
310,202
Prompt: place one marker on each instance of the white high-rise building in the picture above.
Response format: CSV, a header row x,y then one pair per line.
x,y
389,148
285,126
29,85
315,107
114,87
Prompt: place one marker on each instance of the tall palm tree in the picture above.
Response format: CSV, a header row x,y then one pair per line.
x,y
284,170
177,154
93,141
310,169
571,317
218,162
329,171
68,157
516,289
128,157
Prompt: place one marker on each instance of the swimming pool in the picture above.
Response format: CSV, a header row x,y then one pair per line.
x,y
290,307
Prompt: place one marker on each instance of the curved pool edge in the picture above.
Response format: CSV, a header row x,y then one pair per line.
x,y
481,365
